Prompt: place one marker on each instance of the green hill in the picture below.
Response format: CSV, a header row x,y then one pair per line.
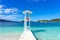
x,y
43,21
53,20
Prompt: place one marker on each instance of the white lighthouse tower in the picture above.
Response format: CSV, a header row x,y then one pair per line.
x,y
27,34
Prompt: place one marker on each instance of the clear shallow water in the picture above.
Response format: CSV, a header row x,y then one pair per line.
x,y
41,33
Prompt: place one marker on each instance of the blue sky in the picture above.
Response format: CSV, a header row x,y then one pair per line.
x,y
41,9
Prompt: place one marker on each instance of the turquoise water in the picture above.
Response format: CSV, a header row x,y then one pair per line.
x,y
41,33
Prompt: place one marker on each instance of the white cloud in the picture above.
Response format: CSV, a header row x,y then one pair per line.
x,y
7,10
12,13
11,17
12,10
1,12
2,6
7,17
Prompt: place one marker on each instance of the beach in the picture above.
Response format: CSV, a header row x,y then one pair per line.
x,y
10,33
9,36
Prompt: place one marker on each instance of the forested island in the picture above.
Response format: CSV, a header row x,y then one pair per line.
x,y
53,20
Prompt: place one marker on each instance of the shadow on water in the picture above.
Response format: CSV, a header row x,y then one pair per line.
x,y
36,31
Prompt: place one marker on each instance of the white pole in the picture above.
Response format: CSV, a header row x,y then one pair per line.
x,y
25,23
29,22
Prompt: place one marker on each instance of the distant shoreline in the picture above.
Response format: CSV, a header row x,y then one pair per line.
x,y
53,20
